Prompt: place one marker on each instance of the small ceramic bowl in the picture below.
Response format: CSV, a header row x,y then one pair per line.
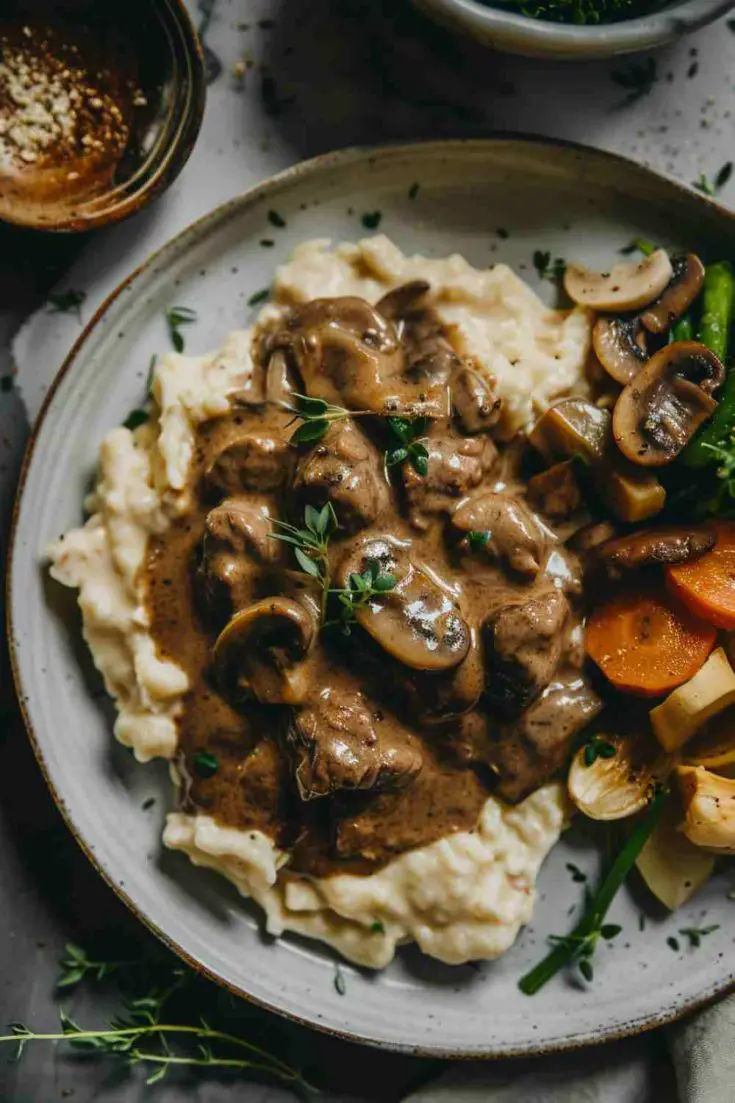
x,y
515,33
100,106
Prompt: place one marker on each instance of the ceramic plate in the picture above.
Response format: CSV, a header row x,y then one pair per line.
x,y
490,200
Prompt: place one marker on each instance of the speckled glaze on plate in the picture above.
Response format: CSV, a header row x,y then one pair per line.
x,y
509,30
491,200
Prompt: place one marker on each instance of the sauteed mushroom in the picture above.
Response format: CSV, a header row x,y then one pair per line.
x,y
648,547
662,408
627,286
259,651
415,622
338,742
402,299
620,346
477,407
348,353
683,288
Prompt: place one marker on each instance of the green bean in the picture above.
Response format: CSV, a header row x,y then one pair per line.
x,y
718,301
683,330
718,295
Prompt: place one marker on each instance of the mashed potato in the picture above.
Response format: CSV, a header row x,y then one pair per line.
x,y
463,897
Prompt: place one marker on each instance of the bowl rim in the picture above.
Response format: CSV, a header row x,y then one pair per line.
x,y
336,158
628,35
172,159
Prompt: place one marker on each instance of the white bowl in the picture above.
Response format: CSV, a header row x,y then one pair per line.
x,y
514,33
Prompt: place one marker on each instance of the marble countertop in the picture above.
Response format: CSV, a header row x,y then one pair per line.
x,y
290,80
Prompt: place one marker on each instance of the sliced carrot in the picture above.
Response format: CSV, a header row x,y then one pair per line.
x,y
645,642
707,585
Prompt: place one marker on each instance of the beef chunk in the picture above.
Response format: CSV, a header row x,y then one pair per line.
x,y
556,491
236,550
512,534
526,754
249,460
523,642
456,465
345,469
340,743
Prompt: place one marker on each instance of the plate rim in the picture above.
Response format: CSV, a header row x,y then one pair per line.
x,y
250,197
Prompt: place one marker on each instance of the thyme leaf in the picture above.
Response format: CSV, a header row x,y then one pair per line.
x,y
176,317
361,590
311,545
409,447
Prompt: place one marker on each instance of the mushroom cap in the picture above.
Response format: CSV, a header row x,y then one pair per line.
x,y
649,547
660,410
416,622
709,807
627,286
614,785
405,297
620,346
259,650
683,288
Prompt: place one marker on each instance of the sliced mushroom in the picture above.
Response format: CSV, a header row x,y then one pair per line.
x,y
476,404
339,742
620,346
650,547
661,409
627,286
683,288
618,781
416,622
260,650
347,353
401,299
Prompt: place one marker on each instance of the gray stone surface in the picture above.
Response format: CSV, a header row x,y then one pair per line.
x,y
296,79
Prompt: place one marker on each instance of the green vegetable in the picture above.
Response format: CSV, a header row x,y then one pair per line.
x,y
718,300
580,945
176,317
683,330
361,590
410,447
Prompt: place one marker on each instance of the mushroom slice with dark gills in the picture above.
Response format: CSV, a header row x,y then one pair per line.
x,y
416,622
661,409
531,750
402,299
629,285
524,641
476,404
344,468
652,547
455,466
678,296
237,550
503,528
347,353
260,652
339,742
247,459
620,346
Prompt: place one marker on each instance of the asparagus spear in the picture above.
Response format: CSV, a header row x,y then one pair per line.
x,y
684,329
718,302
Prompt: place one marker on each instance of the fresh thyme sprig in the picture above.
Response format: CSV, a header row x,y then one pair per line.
x,y
579,946
76,966
598,748
410,447
311,545
139,1036
361,590
315,415
696,934
176,317
549,268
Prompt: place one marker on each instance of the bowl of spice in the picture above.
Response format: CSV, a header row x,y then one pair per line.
x,y
566,29
100,106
